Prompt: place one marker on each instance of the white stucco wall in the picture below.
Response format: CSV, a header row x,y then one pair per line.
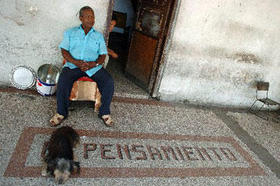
x,y
219,49
31,30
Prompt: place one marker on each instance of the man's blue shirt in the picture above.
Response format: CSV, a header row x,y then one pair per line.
x,y
84,47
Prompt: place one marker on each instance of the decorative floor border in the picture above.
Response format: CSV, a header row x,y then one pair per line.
x,y
17,168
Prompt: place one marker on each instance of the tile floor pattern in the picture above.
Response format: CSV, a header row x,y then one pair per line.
x,y
152,143
123,86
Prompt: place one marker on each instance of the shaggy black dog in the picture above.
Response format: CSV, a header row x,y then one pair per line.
x,y
58,156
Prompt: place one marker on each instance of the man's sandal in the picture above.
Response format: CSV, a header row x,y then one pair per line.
x,y
56,120
107,120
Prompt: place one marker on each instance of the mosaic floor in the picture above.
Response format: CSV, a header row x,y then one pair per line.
x,y
152,143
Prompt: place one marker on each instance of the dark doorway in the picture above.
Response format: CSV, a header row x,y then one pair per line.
x,y
119,40
139,38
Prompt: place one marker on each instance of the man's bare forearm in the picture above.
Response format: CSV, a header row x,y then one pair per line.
x,y
69,58
112,53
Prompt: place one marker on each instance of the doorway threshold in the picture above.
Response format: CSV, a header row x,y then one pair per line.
x,y
131,95
124,87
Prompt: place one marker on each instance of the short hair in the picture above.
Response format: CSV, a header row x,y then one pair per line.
x,y
84,8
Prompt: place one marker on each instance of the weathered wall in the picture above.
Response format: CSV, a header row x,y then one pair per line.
x,y
219,49
31,30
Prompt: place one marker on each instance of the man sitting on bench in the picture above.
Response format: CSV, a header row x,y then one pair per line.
x,y
84,50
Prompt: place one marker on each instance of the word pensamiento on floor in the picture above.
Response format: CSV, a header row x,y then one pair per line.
x,y
149,152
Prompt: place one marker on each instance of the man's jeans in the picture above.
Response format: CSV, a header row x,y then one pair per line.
x,y
66,79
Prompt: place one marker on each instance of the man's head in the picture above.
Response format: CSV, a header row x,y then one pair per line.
x,y
87,18
112,25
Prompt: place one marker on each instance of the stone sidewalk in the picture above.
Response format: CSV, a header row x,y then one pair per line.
x,y
152,143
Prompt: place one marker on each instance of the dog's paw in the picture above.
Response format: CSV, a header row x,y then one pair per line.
x,y
44,173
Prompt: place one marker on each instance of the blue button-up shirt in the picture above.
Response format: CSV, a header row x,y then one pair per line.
x,y
84,47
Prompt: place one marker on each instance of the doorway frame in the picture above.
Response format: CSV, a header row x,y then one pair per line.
x,y
159,66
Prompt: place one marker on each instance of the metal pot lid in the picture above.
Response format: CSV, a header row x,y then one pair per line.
x,y
22,77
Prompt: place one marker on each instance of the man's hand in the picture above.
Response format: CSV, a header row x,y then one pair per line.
x,y
87,65
84,66
81,64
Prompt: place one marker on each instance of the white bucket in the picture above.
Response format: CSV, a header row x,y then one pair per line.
x,y
47,79
45,89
